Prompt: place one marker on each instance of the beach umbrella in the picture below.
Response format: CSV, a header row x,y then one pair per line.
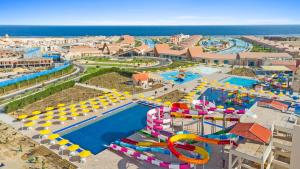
x,y
150,98
74,115
114,101
104,104
72,105
62,144
220,107
85,111
126,93
63,113
93,102
83,154
158,100
167,103
22,116
36,112
53,138
49,113
62,119
29,124
73,149
73,110
82,102
34,118
44,133
47,118
101,97
62,109
92,99
46,125
83,106
49,108
122,98
96,107
231,108
61,105
280,94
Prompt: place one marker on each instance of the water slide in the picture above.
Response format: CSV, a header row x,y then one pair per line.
x,y
149,159
158,120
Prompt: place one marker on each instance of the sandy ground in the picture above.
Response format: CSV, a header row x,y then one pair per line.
x,y
20,152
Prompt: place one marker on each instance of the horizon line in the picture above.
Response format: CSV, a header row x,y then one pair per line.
x,y
296,24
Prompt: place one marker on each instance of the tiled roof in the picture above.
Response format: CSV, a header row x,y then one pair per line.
x,y
140,77
165,49
195,51
262,55
252,131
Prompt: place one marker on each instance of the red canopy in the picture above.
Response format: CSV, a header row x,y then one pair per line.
x,y
252,131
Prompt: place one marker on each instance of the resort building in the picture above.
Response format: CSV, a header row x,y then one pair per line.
x,y
82,51
10,53
191,41
278,46
176,39
127,40
25,62
164,51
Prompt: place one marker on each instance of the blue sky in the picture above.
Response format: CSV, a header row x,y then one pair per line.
x,y
149,12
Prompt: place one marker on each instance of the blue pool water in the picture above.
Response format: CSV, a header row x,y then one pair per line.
x,y
97,135
219,97
33,75
235,45
239,81
172,76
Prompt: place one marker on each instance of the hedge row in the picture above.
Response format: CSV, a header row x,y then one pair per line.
x,y
20,103
104,71
36,80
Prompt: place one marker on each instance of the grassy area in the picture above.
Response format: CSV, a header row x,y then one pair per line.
x,y
242,72
259,48
131,61
175,64
116,80
138,43
174,96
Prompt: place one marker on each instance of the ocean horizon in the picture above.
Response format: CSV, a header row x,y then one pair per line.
x,y
216,30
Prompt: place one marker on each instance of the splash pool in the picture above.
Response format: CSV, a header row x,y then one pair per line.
x,y
172,76
239,81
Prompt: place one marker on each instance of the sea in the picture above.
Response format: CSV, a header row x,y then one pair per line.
x,y
72,31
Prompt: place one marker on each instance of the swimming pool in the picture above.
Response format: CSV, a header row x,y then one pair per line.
x,y
97,135
172,76
219,97
239,81
234,45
